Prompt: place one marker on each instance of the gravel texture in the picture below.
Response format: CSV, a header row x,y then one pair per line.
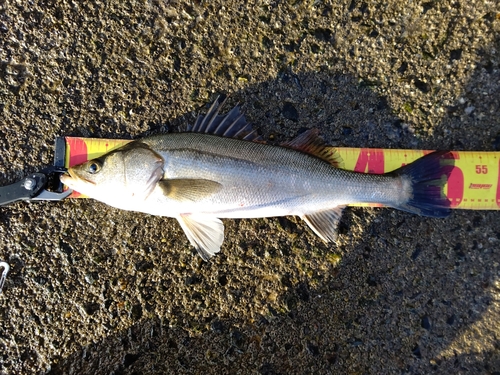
x,y
93,290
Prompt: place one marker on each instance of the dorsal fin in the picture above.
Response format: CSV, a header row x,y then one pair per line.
x,y
231,125
311,143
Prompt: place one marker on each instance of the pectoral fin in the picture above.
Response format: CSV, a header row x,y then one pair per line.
x,y
189,189
325,223
205,233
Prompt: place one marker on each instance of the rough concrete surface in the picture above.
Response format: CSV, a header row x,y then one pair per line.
x,y
94,290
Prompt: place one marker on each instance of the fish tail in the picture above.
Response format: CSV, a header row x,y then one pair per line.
x,y
427,177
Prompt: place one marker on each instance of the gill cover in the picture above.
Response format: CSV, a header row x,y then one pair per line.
x,y
143,168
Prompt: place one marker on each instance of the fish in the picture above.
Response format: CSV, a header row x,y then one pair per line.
x,y
221,169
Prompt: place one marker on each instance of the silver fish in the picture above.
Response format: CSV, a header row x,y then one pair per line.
x,y
221,169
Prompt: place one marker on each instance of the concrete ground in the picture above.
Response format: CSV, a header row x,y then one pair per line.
x,y
93,290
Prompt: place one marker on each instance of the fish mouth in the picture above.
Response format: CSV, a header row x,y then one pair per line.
x,y
72,173
66,178
71,177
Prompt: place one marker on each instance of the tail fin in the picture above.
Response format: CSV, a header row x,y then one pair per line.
x,y
427,176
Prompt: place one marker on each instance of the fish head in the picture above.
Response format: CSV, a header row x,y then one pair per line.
x,y
129,173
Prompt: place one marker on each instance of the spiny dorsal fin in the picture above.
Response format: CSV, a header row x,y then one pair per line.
x,y
205,233
189,189
325,223
311,143
231,125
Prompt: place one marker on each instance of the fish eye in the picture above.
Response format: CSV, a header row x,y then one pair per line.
x,y
94,167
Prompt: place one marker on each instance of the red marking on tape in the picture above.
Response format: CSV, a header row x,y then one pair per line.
x,y
370,161
77,151
498,185
77,155
455,184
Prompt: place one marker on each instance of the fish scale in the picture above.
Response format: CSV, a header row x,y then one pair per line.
x,y
272,181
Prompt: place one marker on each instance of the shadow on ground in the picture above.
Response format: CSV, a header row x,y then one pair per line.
x,y
396,286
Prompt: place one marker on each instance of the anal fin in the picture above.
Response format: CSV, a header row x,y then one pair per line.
x,y
324,223
205,232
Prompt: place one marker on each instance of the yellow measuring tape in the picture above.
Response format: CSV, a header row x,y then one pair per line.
x,y
473,184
